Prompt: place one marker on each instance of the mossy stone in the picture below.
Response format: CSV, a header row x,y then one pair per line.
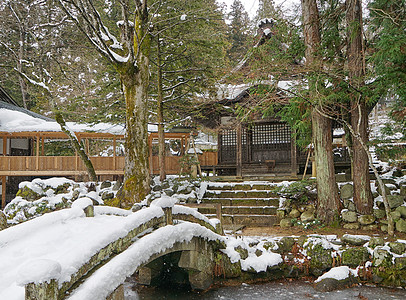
x,y
28,194
320,258
347,191
395,200
354,257
349,216
376,241
286,222
355,240
242,251
3,221
294,213
379,213
105,184
381,258
285,244
401,225
395,215
307,216
366,219
397,247
351,226
402,211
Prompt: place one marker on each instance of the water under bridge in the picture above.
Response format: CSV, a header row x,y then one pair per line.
x,y
87,252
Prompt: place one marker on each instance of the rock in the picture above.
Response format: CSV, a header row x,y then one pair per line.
x,y
75,195
107,195
117,185
286,222
354,257
384,227
402,211
269,245
351,206
403,189
376,241
381,258
320,258
395,200
379,213
307,216
310,207
349,216
387,190
242,251
157,188
400,263
401,225
28,194
397,247
395,215
258,252
331,284
62,189
285,244
370,227
169,192
136,207
3,221
355,240
351,226
389,181
280,213
294,213
366,219
397,172
90,188
347,191
105,184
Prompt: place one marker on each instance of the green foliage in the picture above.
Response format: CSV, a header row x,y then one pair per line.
x,y
298,191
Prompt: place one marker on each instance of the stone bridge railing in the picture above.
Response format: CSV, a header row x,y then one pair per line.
x,y
48,288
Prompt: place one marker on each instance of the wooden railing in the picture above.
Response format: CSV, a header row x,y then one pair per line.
x,y
72,165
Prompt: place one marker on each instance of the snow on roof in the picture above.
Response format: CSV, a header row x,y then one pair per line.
x,y
20,120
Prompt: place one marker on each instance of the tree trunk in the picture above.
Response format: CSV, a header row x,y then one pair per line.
x,y
134,77
136,170
359,113
77,146
328,201
160,116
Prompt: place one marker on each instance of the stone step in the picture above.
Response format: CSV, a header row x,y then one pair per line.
x,y
239,194
242,210
244,201
248,220
242,187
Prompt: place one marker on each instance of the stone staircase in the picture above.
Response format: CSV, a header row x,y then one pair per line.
x,y
248,204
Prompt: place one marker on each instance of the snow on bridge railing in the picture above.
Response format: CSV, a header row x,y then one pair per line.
x,y
41,279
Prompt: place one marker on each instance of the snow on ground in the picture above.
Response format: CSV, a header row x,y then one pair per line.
x,y
338,273
66,237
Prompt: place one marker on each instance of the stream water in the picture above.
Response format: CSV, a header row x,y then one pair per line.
x,y
295,290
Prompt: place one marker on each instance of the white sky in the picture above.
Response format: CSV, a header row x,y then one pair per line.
x,y
251,6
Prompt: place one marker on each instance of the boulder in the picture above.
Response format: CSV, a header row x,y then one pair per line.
x,y
370,227
286,222
242,251
395,200
117,185
379,213
401,225
402,211
349,216
28,194
294,213
381,258
376,241
307,216
395,215
340,278
107,195
280,213
355,240
320,258
351,226
354,257
397,247
351,206
105,184
403,189
285,244
347,191
366,219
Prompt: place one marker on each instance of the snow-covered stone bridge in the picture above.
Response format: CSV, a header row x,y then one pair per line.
x,y
44,258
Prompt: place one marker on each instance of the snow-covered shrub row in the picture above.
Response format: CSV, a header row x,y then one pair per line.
x,y
45,195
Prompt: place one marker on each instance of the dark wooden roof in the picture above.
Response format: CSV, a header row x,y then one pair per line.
x,y
5,97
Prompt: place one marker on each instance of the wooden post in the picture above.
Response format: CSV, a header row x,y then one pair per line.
x,y
42,146
3,191
114,153
151,167
238,157
37,154
4,146
293,156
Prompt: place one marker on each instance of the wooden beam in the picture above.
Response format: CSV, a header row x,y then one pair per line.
x,y
3,191
42,146
293,156
151,167
114,152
